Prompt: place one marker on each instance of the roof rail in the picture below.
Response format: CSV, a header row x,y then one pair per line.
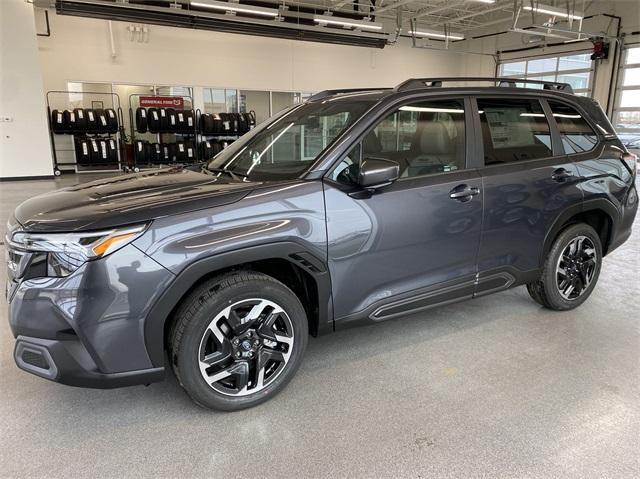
x,y
418,83
325,93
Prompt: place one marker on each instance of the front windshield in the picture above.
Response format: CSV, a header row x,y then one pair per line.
x,y
288,145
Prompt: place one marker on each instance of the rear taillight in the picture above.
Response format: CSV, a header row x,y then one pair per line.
x,y
631,160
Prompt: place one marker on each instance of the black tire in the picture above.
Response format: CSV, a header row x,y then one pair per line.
x,y
140,151
58,124
83,151
193,319
112,120
172,120
206,150
546,290
189,123
92,120
141,120
532,289
69,121
164,120
81,120
153,120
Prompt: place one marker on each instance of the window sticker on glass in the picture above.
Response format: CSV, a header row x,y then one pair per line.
x,y
504,127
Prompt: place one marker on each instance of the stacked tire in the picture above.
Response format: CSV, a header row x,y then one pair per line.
x,y
164,153
164,120
84,121
95,151
227,124
210,148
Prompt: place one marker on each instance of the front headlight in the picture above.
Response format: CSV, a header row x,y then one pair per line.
x,y
63,253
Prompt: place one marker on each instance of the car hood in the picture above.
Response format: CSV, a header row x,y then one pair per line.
x,y
128,199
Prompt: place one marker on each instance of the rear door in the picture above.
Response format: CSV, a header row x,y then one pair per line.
x,y
411,244
527,182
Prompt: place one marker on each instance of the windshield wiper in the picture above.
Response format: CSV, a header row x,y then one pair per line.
x,y
235,176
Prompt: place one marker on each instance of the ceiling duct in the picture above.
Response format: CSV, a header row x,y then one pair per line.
x,y
237,22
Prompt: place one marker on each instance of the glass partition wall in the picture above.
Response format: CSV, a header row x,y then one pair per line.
x,y
263,102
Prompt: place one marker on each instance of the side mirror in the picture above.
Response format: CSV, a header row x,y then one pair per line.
x,y
377,172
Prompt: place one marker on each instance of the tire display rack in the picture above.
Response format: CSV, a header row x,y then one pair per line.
x,y
96,134
163,121
219,130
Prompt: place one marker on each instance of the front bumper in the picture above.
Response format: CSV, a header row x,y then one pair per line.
x,y
87,329
67,362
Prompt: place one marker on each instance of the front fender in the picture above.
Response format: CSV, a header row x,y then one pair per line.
x,y
154,325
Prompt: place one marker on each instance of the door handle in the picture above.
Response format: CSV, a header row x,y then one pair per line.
x,y
561,175
463,193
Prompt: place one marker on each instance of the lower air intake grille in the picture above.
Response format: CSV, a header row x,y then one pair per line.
x,y
35,358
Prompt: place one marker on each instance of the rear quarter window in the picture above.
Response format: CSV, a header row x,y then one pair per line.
x,y
576,134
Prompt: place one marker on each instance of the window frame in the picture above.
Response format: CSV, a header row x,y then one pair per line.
x,y
469,142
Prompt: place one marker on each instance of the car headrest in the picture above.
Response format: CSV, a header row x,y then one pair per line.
x,y
434,139
371,144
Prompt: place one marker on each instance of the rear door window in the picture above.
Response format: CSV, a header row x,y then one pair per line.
x,y
513,130
576,134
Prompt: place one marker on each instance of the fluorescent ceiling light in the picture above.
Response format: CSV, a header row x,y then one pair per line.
x,y
484,1
235,7
558,12
436,34
536,115
346,22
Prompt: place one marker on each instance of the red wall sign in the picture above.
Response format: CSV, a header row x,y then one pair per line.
x,y
162,101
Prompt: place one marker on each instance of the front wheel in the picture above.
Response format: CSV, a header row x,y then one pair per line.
x,y
571,270
238,340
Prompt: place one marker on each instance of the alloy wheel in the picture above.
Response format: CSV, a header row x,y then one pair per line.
x,y
576,267
246,347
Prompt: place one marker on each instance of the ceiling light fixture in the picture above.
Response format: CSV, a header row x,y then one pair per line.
x,y
436,34
484,1
235,7
346,22
558,12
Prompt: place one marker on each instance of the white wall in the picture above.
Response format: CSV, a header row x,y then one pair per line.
x,y
24,141
79,49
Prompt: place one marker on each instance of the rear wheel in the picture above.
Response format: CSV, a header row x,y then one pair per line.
x,y
238,340
571,270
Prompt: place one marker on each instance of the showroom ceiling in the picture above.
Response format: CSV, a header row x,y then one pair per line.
x,y
462,14
372,23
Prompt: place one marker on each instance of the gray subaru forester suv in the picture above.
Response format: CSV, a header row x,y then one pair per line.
x,y
357,206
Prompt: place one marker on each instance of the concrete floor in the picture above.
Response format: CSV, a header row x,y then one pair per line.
x,y
493,387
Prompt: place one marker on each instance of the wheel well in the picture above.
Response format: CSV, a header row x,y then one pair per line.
x,y
302,284
599,220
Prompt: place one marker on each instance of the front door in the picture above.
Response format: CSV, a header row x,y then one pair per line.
x,y
414,243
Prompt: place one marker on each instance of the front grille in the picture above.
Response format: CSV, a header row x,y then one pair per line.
x,y
35,358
